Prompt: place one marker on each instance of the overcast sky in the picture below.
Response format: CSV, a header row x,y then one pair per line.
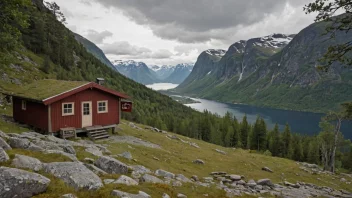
x,y
177,31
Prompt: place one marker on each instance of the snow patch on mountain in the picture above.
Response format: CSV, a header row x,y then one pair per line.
x,y
216,52
273,40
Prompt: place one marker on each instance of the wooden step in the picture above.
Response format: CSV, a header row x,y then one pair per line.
x,y
100,137
98,134
99,131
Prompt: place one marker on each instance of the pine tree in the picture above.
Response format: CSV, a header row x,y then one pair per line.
x,y
286,141
313,151
274,141
244,131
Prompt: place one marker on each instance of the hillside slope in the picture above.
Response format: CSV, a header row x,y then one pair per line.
x,y
282,76
93,49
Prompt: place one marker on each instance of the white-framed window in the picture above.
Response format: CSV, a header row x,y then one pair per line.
x,y
102,106
24,105
68,108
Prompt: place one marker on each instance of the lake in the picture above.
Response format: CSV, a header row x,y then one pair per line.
x,y
162,86
300,122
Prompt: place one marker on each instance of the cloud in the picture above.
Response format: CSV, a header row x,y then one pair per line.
x,y
98,37
199,20
125,50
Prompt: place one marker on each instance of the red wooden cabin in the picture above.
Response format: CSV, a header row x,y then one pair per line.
x,y
53,106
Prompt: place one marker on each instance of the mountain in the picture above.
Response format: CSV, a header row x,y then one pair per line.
x,y
276,71
93,49
137,71
162,72
180,73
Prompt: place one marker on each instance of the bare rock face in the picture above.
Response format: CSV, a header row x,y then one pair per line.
x,y
111,165
23,144
126,181
3,156
74,174
4,145
164,173
22,161
19,183
151,179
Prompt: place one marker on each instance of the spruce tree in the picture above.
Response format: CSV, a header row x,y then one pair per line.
x,y
244,131
286,141
274,144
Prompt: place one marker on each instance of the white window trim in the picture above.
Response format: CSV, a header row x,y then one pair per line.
x,y
73,109
24,105
106,106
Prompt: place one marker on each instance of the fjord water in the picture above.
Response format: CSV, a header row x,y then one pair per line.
x,y
300,122
162,86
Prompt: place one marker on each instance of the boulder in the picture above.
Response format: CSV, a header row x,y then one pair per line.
x,y
165,196
3,156
68,196
241,182
4,135
135,175
4,145
220,151
163,173
123,179
111,165
68,149
23,144
74,174
121,194
199,161
235,177
22,161
179,195
140,169
195,178
151,179
267,169
182,178
126,155
19,183
291,184
265,182
251,183
95,169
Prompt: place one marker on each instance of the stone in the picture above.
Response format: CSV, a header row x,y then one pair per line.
x,y
235,177
4,145
343,180
267,169
176,183
165,196
19,183
126,155
68,196
199,161
251,183
135,175
220,151
208,179
182,178
179,195
265,182
151,179
4,135
345,192
74,174
140,169
291,184
122,194
195,178
123,179
3,155
111,165
241,182
108,181
95,169
163,173
23,144
68,149
22,161
258,187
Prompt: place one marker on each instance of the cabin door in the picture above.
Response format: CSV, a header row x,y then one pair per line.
x,y
87,114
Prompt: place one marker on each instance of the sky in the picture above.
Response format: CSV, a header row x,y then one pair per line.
x,y
169,32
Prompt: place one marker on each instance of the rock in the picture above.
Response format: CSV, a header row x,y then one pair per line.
x,y
220,151
71,156
198,161
208,179
157,159
265,182
179,195
108,181
194,144
165,196
68,196
74,174
241,182
4,135
195,178
176,183
4,145
3,156
19,183
343,180
235,177
251,183
291,185
345,192
94,151
151,179
182,178
111,165
122,194
126,181
267,169
140,169
126,155
23,144
95,169
68,149
163,173
135,175
22,161
89,160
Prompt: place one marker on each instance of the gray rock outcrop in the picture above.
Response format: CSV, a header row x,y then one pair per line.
x,y
123,179
151,179
122,194
3,156
163,173
4,145
22,161
111,165
74,174
19,183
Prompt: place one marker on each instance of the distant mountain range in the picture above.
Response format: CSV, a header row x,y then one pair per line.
x,y
278,71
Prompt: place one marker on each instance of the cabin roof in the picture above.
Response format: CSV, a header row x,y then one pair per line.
x,y
49,90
